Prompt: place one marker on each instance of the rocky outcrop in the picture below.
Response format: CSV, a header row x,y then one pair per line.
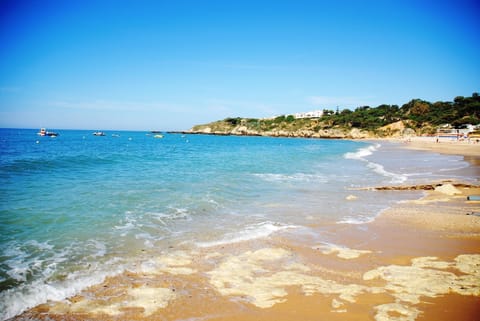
x,y
243,130
446,187
397,129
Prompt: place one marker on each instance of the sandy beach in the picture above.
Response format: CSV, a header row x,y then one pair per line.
x,y
444,145
420,260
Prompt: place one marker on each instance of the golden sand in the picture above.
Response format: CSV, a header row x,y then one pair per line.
x,y
444,146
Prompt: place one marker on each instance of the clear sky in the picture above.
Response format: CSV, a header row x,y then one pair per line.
x,y
169,65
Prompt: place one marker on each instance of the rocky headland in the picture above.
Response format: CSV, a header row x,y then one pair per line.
x,y
305,128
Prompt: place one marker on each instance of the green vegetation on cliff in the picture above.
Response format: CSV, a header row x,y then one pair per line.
x,y
419,114
416,116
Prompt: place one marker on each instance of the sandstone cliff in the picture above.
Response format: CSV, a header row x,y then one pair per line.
x,y
303,128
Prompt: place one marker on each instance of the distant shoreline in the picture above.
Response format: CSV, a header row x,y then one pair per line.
x,y
442,146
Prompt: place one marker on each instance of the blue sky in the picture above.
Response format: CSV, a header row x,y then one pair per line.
x,y
169,65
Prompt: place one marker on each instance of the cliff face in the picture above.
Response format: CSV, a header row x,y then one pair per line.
x,y
304,128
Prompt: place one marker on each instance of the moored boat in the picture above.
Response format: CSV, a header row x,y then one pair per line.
x,y
44,132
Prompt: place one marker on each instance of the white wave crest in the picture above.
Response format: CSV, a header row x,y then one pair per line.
x,y
356,220
294,178
251,232
16,300
43,274
377,168
362,152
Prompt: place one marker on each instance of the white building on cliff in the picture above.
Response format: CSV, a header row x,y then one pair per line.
x,y
309,114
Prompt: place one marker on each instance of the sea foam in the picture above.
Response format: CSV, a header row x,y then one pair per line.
x,y
292,178
252,232
358,220
362,153
42,277
16,300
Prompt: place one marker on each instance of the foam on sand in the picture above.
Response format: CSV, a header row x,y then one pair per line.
x,y
263,276
341,251
256,276
150,299
425,277
173,263
385,311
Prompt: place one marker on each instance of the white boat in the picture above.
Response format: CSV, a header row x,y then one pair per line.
x,y
98,134
44,132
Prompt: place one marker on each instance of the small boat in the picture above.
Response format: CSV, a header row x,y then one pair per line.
x,y
158,136
98,134
44,132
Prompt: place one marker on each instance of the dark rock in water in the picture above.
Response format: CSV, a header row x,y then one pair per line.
x,y
420,187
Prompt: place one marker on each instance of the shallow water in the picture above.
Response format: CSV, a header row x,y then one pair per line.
x,y
76,208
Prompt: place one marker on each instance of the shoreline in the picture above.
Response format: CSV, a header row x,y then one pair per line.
x,y
418,260
442,146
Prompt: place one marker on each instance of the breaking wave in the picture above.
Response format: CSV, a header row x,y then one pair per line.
x,y
252,232
362,153
40,278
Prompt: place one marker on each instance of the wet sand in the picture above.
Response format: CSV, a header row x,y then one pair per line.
x,y
420,260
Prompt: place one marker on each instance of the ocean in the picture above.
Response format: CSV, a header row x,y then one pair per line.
x,y
77,208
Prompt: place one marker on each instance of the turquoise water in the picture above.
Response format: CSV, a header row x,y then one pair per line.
x,y
77,207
